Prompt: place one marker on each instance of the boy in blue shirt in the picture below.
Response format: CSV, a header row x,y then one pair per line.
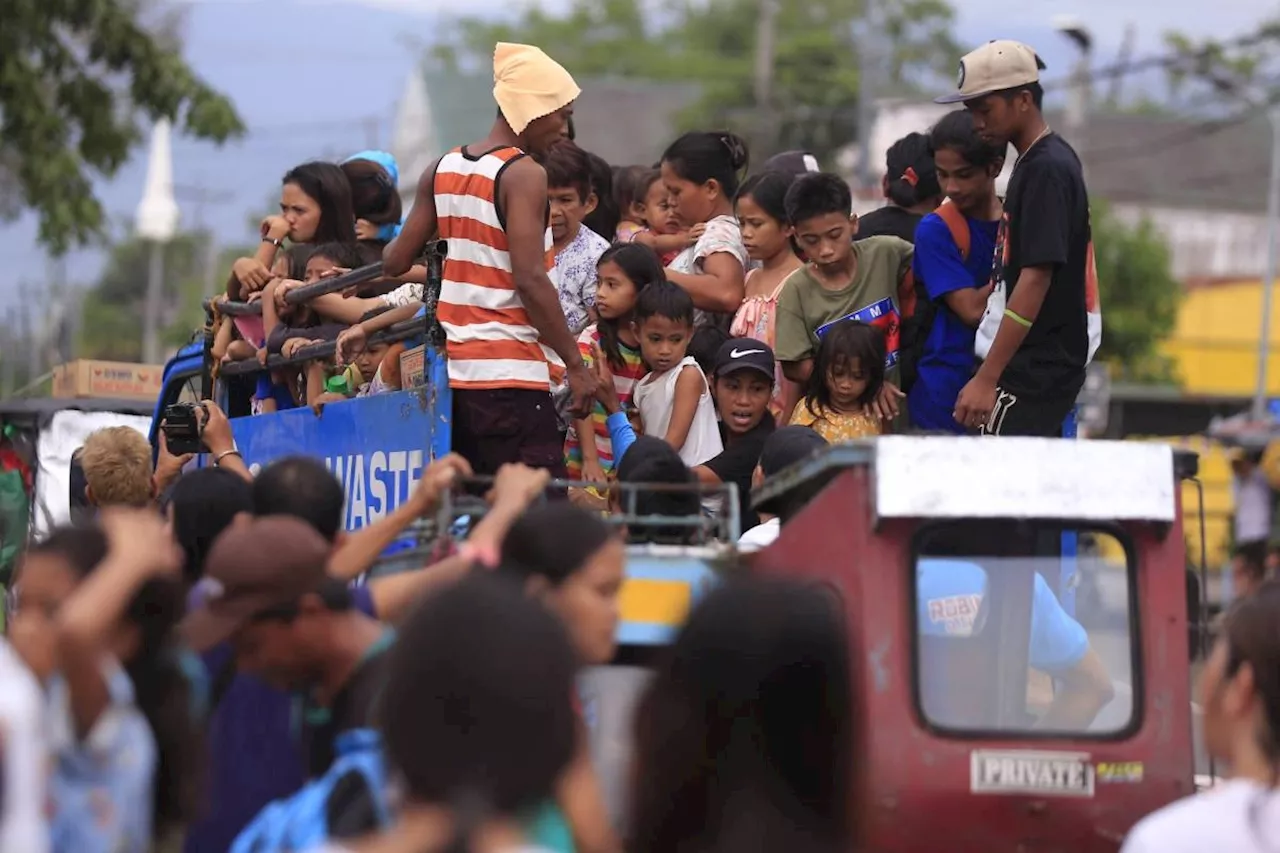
x,y
955,248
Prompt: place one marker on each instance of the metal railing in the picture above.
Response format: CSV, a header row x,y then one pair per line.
x,y
427,326
696,535
433,259
336,284
398,332
693,528
236,309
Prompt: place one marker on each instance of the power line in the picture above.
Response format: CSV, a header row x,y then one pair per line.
x,y
1175,139
347,122
1183,135
1170,59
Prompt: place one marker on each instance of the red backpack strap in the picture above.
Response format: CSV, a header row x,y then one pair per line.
x,y
957,225
907,301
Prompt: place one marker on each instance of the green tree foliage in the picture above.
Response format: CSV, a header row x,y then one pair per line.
x,y
113,307
76,80
1140,297
1244,69
712,43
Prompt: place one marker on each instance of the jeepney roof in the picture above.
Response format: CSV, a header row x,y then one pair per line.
x,y
967,477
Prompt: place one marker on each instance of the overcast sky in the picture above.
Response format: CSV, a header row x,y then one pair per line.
x,y
1151,17
318,78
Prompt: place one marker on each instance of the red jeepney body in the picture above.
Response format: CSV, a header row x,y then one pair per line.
x,y
923,788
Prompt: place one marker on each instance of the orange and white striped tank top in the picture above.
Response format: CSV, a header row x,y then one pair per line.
x,y
489,340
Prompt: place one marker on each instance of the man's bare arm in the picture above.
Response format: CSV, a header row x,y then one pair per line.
x,y
419,227
1086,690
523,195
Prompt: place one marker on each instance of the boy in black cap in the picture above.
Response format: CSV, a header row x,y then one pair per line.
x,y
742,387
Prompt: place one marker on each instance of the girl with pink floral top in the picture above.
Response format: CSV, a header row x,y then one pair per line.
x,y
767,238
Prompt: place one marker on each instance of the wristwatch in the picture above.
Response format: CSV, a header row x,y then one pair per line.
x,y
279,244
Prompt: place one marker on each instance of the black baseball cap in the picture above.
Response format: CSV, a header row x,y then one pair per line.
x,y
787,446
792,163
745,354
782,449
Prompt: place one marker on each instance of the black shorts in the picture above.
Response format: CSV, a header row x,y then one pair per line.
x,y
492,428
1015,415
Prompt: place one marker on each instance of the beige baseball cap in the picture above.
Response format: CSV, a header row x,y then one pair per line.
x,y
994,67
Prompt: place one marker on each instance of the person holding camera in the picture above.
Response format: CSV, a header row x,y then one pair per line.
x,y
191,428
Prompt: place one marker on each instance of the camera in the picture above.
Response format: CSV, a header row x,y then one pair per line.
x,y
183,427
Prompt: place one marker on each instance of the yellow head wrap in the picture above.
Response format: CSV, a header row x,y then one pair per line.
x,y
528,84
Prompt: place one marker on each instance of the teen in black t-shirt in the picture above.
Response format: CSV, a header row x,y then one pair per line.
x,y
1035,368
1046,224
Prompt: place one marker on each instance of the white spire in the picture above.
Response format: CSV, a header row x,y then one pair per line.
x,y
157,217
413,137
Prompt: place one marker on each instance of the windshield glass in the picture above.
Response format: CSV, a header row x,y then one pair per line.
x,y
1022,627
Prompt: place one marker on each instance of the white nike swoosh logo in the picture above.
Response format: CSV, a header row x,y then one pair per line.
x,y
739,353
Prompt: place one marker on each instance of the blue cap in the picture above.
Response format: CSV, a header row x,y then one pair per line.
x,y
382,158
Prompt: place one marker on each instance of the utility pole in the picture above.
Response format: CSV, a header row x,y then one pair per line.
x,y
57,313
1077,114
9,366
201,195
30,299
766,37
76,333
1123,58
1259,100
1260,393
865,38
371,131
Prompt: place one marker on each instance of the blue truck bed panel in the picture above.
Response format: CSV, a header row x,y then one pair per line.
x,y
376,446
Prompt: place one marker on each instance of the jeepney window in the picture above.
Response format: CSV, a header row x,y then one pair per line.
x,y
1024,627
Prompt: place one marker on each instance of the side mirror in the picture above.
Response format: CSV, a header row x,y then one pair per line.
x,y
1186,464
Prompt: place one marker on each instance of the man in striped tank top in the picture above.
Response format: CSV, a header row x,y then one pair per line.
x,y
506,335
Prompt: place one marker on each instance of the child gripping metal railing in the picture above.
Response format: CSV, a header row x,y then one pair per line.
x,y
424,325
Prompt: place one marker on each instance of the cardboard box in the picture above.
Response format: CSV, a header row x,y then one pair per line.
x,y
412,363
108,379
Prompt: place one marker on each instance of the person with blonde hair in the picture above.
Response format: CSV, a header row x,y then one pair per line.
x,y
117,468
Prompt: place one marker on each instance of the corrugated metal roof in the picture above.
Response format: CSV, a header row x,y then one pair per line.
x,y
1142,159
1178,162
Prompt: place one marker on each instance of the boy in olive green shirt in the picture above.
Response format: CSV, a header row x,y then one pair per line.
x,y
869,280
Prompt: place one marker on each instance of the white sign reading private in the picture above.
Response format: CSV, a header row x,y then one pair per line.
x,y
1043,773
